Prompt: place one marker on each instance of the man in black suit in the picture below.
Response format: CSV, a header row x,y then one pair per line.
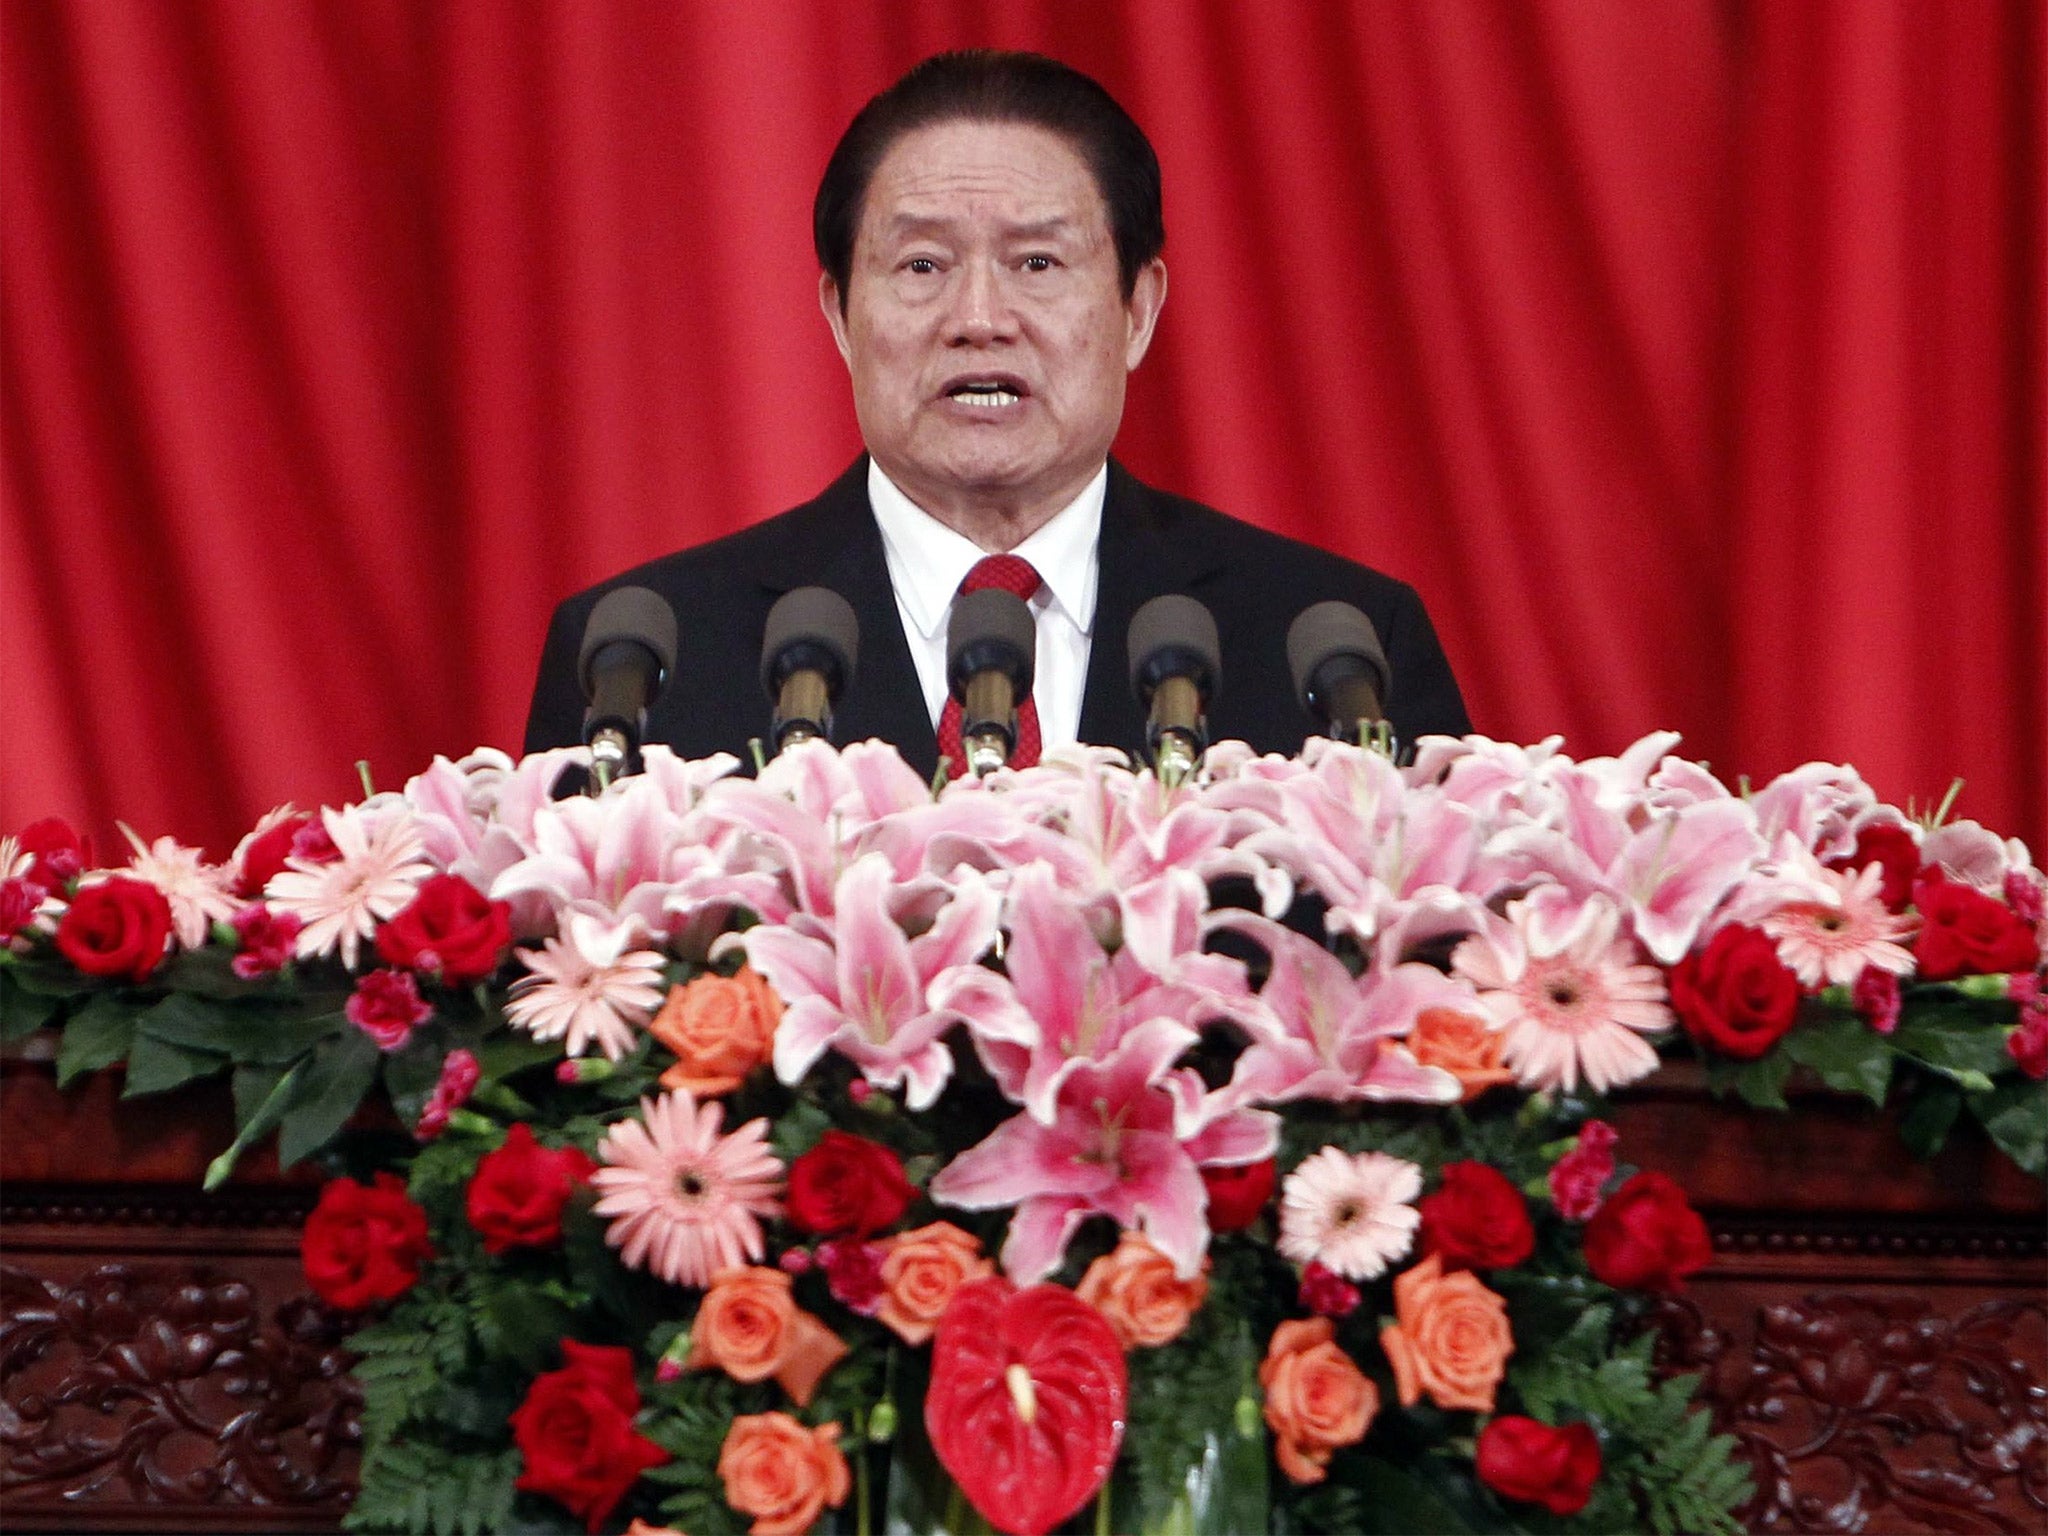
x,y
989,231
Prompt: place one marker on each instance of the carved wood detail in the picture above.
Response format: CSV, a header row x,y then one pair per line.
x,y
151,1394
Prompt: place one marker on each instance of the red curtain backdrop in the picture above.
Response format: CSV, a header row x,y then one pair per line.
x,y
1688,356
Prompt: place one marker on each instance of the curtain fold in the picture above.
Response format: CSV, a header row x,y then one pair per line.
x,y
1686,356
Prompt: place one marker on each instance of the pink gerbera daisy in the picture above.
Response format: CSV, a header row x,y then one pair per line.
x,y
339,903
688,1201
1354,1215
197,891
587,987
1565,993
1829,943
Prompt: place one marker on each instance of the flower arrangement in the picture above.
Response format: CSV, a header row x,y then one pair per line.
x,y
1060,1149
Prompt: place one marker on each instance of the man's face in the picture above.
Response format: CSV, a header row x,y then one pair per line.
x,y
985,330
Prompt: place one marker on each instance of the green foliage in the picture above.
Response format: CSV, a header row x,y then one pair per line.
x,y
96,1035
2015,1114
405,1361
1653,1441
1182,1422
1846,1054
23,1012
342,1071
1759,1083
415,1486
689,1421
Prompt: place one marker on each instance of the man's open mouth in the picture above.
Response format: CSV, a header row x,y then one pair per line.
x,y
986,391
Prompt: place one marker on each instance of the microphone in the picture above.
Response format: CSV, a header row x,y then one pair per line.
x,y
1341,673
807,656
991,653
629,649
1176,668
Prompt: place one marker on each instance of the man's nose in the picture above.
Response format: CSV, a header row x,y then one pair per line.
x,y
982,308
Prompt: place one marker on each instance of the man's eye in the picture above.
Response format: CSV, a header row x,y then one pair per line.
x,y
1038,263
922,265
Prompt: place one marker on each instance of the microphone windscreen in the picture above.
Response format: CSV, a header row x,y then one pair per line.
x,y
1324,631
991,630
635,615
810,627
1174,636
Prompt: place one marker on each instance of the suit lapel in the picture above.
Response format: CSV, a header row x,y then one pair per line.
x,y
841,548
1138,560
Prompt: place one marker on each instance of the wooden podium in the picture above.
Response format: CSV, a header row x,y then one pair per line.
x,y
1874,1329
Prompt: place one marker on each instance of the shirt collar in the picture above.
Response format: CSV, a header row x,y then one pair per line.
x,y
929,560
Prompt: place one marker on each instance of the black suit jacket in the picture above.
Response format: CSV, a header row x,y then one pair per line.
x,y
1152,543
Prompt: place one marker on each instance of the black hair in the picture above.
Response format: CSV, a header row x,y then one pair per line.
x,y
988,85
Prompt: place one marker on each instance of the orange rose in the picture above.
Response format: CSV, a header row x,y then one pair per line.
x,y
751,1329
921,1270
782,1473
1463,1046
1317,1399
721,1028
1135,1288
1450,1338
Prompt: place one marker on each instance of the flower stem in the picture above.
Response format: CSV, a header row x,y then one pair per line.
x,y
862,1490
1102,1527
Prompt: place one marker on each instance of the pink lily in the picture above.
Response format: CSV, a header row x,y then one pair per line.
x,y
1065,1006
1338,1037
1119,1144
864,988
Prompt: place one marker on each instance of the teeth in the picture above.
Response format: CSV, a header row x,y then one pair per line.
x,y
985,397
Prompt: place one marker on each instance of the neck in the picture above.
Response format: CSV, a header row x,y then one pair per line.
x,y
993,520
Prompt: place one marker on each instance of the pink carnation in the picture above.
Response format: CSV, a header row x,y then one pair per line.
x,y
459,1077
853,1271
1577,1178
1876,997
266,940
1327,1293
386,1006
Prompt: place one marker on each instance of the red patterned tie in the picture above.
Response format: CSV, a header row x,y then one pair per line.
x,y
1012,575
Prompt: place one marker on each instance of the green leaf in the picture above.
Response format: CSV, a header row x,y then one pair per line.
x,y
342,1071
2015,1114
1956,1044
1925,1126
1847,1054
52,976
262,1094
1760,1083
1396,1502
246,1032
22,1012
155,1066
97,1035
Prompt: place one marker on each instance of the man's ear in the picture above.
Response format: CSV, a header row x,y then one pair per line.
x,y
828,301
1148,297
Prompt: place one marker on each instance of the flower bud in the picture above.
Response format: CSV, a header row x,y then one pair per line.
x,y
882,1422
1249,1422
577,1071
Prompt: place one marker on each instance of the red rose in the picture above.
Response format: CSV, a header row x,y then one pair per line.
x,y
1647,1237
449,927
60,854
1523,1459
1237,1195
575,1431
364,1243
1963,932
1476,1220
1736,996
847,1184
119,927
517,1193
1895,850
262,855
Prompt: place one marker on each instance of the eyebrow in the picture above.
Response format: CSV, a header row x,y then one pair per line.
x,y
1039,229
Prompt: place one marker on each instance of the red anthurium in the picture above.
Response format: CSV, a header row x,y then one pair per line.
x,y
1026,1404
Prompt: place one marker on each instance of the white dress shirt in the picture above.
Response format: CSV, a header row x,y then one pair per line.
x,y
928,561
